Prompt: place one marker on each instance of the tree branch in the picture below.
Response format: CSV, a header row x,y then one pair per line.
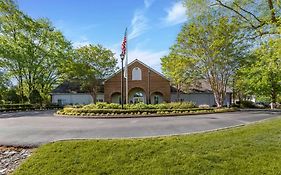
x,y
273,17
246,11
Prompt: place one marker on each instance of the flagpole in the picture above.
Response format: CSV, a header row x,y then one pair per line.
x,y
122,102
127,75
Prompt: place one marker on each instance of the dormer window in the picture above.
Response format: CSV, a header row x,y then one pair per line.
x,y
136,73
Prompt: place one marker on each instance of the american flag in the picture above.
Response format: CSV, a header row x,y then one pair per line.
x,y
124,44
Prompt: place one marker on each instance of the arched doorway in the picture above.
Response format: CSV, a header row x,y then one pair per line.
x,y
137,95
116,97
156,98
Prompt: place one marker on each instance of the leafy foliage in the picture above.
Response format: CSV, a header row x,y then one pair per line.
x,y
257,18
262,75
89,66
31,51
213,44
174,105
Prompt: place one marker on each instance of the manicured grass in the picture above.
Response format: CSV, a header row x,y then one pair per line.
x,y
253,149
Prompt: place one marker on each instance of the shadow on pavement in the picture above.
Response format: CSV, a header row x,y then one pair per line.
x,y
45,113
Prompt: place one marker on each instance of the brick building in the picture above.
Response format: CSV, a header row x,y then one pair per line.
x,y
144,84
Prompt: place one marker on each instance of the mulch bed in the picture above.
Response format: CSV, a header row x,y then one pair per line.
x,y
11,157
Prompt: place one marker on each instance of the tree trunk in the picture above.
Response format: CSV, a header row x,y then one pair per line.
x,y
273,98
94,94
218,99
178,93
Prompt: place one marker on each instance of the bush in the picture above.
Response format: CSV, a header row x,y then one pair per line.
x,y
247,104
122,112
137,106
103,105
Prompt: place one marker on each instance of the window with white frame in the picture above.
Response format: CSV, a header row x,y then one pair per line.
x,y
136,73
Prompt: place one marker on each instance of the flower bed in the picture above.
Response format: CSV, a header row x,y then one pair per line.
x,y
140,109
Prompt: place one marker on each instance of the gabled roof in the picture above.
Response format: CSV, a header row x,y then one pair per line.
x,y
138,61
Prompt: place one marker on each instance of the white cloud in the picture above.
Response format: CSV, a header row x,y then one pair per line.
x,y
151,58
78,44
176,14
82,42
138,24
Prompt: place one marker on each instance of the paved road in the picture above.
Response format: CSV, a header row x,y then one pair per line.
x,y
35,128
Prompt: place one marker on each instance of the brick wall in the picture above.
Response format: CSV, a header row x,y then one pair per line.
x,y
151,82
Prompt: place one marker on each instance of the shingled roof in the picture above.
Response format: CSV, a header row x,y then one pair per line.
x,y
73,87
199,86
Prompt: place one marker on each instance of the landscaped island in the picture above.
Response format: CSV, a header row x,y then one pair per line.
x,y
251,150
138,109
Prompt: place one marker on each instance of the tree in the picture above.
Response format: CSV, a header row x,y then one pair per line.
x,y
4,85
213,41
180,69
263,74
258,18
31,51
89,65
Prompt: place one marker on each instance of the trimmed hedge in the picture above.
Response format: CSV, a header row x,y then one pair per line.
x,y
137,112
103,105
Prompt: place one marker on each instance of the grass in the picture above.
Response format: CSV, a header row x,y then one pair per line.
x,y
253,149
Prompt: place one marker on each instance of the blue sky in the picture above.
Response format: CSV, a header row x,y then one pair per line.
x,y
152,24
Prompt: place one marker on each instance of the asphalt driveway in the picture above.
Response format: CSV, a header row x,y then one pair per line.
x,y
37,127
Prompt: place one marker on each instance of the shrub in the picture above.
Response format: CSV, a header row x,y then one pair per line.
x,y
247,104
113,106
180,105
137,106
90,106
161,106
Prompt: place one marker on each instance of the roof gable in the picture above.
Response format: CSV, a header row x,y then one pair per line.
x,y
140,62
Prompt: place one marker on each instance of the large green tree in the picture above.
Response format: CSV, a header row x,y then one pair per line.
x,y
31,51
181,70
89,66
4,85
213,40
262,75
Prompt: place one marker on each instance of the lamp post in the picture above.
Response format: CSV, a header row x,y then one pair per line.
x,y
122,59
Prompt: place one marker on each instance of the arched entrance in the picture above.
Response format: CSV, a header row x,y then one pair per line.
x,y
156,98
137,95
116,97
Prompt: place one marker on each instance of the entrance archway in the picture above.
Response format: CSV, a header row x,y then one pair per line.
x,y
116,97
156,98
137,95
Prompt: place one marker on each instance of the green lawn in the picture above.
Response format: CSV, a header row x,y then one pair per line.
x,y
253,149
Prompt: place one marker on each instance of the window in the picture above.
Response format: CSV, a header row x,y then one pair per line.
x,y
156,99
100,100
136,74
138,97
